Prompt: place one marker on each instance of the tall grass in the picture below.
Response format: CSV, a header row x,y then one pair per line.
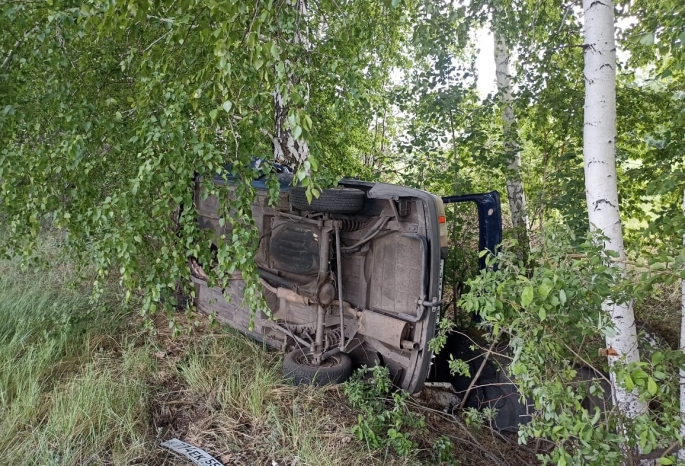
x,y
83,384
63,398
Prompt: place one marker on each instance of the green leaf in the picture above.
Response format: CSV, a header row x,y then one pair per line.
x,y
666,460
657,357
542,313
562,297
227,106
527,296
544,288
629,383
651,386
647,39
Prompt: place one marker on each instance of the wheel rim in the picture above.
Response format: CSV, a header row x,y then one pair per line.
x,y
305,359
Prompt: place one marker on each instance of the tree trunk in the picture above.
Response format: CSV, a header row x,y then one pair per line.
x,y
681,453
599,151
515,192
287,149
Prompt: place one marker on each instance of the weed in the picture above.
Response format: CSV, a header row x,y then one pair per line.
x,y
91,383
384,419
63,397
444,450
478,418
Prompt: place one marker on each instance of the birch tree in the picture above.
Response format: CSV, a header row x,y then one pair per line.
x,y
515,191
599,152
288,146
110,111
681,453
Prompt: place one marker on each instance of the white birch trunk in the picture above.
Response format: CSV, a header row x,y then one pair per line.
x,y
681,453
599,135
287,149
515,192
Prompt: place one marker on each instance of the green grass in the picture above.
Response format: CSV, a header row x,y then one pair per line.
x,y
62,400
84,384
96,384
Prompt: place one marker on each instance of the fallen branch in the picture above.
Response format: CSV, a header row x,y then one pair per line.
x,y
472,440
478,372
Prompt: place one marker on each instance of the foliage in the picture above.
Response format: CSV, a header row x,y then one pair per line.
x,y
111,111
85,383
57,380
444,450
384,419
478,418
553,318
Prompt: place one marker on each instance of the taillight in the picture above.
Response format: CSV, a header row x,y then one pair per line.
x,y
442,222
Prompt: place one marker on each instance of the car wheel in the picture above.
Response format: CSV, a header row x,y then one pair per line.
x,y
499,392
332,201
299,368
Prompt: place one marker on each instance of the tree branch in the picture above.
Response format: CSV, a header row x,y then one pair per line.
x,y
17,44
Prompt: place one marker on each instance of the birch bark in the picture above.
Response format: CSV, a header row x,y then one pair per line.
x,y
681,453
599,151
287,148
515,192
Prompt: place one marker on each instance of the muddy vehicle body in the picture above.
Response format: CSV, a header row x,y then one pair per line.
x,y
354,278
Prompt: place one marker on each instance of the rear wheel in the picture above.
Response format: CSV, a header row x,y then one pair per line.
x,y
332,201
299,367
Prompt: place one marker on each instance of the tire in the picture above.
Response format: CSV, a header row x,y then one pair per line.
x,y
331,201
336,369
501,394
587,376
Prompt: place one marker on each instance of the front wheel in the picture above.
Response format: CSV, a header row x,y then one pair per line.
x,y
299,367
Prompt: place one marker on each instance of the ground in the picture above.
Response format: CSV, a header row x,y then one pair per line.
x,y
96,383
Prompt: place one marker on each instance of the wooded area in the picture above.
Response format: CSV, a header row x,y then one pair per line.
x,y
111,110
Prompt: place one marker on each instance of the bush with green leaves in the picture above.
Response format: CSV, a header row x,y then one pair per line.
x,y
385,420
550,311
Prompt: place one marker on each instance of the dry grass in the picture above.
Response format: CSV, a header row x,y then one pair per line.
x,y
662,311
224,393
84,384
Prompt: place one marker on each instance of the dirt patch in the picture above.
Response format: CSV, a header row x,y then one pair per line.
x,y
283,424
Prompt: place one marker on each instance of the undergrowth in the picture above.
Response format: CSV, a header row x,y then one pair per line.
x,y
385,419
66,396
86,383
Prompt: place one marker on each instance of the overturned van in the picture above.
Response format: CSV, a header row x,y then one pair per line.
x,y
352,278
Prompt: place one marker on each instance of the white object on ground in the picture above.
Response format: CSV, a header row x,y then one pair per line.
x,y
195,454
